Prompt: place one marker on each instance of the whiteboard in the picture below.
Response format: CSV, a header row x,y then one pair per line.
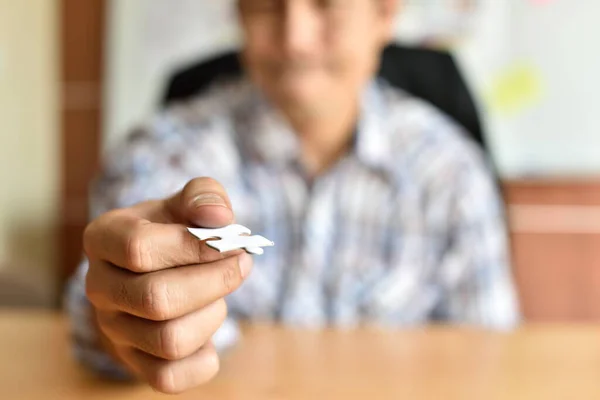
x,y
560,134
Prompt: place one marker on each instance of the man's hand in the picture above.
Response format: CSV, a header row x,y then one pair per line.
x,y
157,291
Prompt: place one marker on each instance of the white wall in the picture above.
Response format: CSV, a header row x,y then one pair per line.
x,y
559,135
29,146
147,40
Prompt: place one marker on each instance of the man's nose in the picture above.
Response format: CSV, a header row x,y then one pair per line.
x,y
302,28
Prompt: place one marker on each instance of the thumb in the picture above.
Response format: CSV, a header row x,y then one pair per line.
x,y
203,202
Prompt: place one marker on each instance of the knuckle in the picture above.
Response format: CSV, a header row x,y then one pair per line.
x,y
162,379
92,233
169,341
230,275
121,295
155,300
137,252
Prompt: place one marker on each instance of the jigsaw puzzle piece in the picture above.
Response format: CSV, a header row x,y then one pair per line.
x,y
220,233
255,250
251,244
232,237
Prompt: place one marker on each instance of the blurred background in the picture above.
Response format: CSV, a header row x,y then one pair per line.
x,y
76,75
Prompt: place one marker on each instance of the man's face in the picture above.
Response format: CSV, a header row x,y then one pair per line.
x,y
311,57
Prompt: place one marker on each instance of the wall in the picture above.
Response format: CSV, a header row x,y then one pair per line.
x,y
148,40
29,156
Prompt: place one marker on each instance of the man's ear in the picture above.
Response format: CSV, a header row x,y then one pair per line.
x,y
238,9
389,11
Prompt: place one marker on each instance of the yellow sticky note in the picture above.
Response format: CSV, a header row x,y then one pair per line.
x,y
515,89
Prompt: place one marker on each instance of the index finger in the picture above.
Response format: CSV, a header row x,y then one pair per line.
x,y
141,246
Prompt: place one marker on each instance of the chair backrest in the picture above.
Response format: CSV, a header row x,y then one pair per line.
x,y
428,74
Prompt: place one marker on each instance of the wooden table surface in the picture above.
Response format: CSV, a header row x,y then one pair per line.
x,y
536,362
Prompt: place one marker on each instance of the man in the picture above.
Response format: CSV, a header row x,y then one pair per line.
x,y
381,209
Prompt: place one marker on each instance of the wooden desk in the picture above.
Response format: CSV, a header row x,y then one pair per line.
x,y
537,362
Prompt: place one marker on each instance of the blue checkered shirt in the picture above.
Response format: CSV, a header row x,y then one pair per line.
x,y
406,229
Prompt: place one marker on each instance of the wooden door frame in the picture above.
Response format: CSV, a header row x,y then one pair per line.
x,y
82,38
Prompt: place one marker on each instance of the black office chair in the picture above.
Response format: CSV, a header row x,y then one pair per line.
x,y
428,74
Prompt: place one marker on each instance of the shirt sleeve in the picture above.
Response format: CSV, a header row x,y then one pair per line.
x,y
136,171
475,273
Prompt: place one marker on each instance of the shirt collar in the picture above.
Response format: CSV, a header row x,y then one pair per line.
x,y
272,140
373,137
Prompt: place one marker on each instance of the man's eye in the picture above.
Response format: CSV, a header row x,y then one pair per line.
x,y
262,5
333,4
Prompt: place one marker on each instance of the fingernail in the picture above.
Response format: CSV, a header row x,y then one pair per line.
x,y
245,262
208,199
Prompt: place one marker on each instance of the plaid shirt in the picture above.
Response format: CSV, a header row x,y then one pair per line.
x,y
406,229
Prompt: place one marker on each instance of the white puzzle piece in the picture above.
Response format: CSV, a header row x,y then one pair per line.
x,y
232,237
220,233
250,243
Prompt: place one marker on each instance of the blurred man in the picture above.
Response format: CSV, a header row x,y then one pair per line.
x,y
381,209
